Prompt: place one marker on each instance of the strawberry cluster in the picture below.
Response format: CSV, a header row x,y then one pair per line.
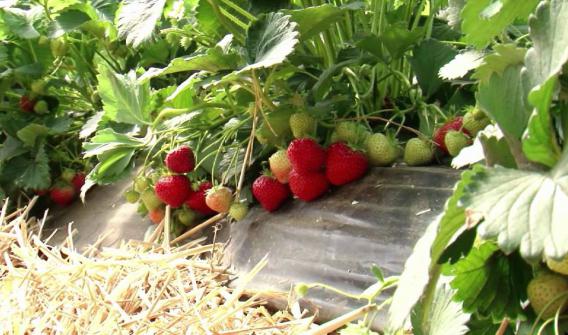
x,y
66,189
307,171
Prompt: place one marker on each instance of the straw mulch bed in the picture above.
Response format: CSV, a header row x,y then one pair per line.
x,y
137,288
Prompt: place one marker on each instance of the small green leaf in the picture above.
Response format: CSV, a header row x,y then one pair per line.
x,y
137,20
30,133
208,21
36,175
270,40
378,273
504,55
522,209
11,148
503,98
113,165
67,21
21,22
314,20
125,99
109,140
398,39
427,60
481,20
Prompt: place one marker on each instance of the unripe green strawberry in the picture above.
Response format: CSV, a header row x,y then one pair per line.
x,y
302,125
238,211
558,266
475,121
141,184
219,199
38,86
418,152
131,196
186,216
142,210
455,141
275,129
41,107
58,47
352,133
381,150
301,289
280,165
68,175
543,290
150,200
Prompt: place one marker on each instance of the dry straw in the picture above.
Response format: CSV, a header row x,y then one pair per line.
x,y
137,288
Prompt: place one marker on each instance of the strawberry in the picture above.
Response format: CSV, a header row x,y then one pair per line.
x,y
131,196
308,186
543,290
238,211
558,266
453,124
173,190
150,200
78,181
270,193
418,152
180,160
475,120
185,216
381,150
306,155
26,104
344,164
157,215
141,184
62,194
455,141
41,107
280,165
67,175
351,132
196,199
219,199
302,125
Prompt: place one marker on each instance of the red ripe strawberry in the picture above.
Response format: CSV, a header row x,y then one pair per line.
x,y
280,165
306,155
440,133
78,181
173,190
62,194
308,186
270,193
41,192
181,160
219,199
196,200
26,104
157,215
344,164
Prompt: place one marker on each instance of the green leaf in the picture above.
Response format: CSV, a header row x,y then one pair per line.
x,y
314,20
461,65
421,270
427,60
539,144
522,209
30,133
445,317
504,55
208,21
11,148
496,149
550,42
357,329
398,39
109,140
503,98
113,165
36,174
125,99
490,283
213,60
67,21
104,9
270,40
484,19
137,20
21,22
58,5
